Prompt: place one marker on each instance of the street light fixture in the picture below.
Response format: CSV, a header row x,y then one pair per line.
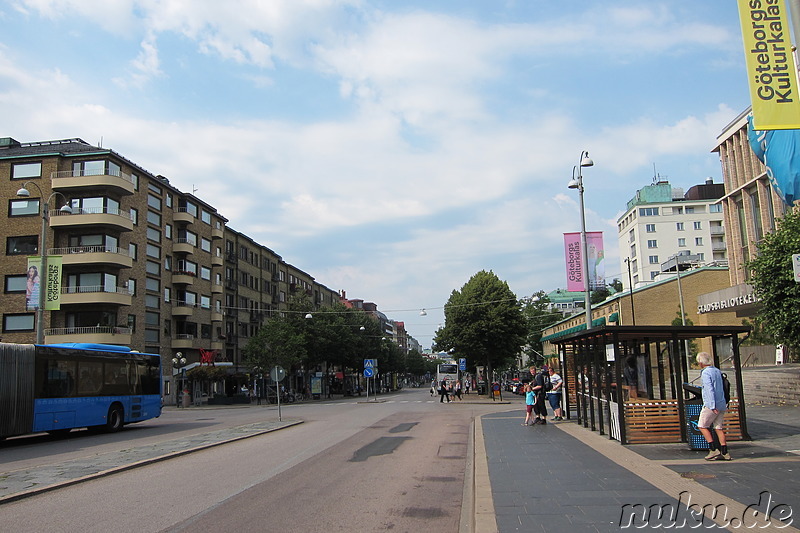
x,y
577,183
23,192
179,362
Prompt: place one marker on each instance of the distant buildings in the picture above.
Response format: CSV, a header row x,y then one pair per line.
x,y
661,221
143,264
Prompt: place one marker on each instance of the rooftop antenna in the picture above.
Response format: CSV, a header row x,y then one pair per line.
x,y
194,189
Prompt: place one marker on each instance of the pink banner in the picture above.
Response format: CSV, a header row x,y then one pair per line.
x,y
574,260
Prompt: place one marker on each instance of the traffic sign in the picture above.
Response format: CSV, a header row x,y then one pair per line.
x,y
277,373
462,364
368,372
370,363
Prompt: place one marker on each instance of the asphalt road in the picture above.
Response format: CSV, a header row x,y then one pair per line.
x,y
393,465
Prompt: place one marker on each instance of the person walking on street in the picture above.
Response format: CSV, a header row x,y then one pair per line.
x,y
554,394
444,391
714,407
457,390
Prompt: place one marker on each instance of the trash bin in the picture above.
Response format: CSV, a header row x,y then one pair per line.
x,y
693,406
186,399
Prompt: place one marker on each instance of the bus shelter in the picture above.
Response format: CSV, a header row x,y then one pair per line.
x,y
647,402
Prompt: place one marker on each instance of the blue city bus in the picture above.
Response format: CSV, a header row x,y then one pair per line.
x,y
59,387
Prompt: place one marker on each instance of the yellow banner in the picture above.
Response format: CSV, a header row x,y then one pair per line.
x,y
770,64
52,298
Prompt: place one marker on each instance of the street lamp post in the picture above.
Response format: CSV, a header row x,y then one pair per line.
x,y
179,361
24,193
577,183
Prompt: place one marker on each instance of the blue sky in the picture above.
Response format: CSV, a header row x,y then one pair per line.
x,y
389,148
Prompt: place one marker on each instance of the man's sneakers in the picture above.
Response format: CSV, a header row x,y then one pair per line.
x,y
723,457
713,455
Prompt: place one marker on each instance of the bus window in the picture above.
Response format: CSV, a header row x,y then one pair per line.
x,y
90,378
59,379
115,379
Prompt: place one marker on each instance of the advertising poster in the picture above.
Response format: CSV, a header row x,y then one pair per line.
x,y
574,260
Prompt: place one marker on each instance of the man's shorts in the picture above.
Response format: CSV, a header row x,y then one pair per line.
x,y
708,419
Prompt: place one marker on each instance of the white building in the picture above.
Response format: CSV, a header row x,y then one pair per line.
x,y
661,221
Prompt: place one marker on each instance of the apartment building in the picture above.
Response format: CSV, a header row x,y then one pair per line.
x,y
143,264
661,221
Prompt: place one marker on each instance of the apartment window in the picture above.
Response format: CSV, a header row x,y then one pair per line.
x,y
151,301
21,208
653,259
132,287
151,318
653,275
698,225
652,243
22,322
135,215
154,202
188,237
16,283
168,200
205,245
151,336
205,273
153,234
755,208
168,231
94,205
650,228
95,168
631,236
153,218
205,216
153,268
701,257
188,207
648,211
154,188
205,302
22,171
135,181
167,294
168,262
133,251
679,226
715,208
689,210
677,210
24,245
682,243
698,241
153,251
152,285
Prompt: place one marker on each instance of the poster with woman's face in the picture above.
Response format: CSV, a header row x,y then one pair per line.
x,y
33,284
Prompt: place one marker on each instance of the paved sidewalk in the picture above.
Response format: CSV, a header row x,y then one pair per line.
x,y
564,477
20,484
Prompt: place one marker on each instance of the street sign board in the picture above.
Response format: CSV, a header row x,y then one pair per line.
x,y
370,363
277,373
368,372
462,364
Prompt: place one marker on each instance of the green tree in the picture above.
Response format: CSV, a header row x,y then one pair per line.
x,y
483,323
537,318
773,281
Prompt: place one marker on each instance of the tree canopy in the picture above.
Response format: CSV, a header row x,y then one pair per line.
x,y
483,323
772,278
537,318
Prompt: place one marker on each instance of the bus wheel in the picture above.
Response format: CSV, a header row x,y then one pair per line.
x,y
114,419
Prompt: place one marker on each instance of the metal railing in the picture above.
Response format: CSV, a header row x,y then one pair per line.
x,y
89,330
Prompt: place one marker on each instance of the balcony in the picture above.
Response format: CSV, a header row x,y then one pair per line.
x,y
100,217
182,309
182,216
217,261
183,277
718,246
93,255
216,288
217,316
183,341
717,230
182,246
217,233
217,345
66,181
90,334
96,294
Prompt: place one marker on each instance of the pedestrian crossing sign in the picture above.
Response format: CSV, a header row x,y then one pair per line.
x,y
370,363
